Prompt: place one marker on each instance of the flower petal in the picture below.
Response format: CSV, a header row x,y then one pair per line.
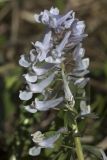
x,y
37,137
82,65
85,109
34,151
30,77
64,18
46,105
81,82
50,59
23,62
78,73
25,95
39,87
47,38
54,11
32,55
49,142
61,46
67,91
78,28
36,17
30,109
44,69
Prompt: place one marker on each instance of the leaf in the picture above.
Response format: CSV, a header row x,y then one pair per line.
x,y
95,151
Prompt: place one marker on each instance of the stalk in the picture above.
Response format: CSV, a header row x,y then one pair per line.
x,y
77,141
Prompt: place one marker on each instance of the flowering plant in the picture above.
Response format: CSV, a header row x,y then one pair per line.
x,y
56,77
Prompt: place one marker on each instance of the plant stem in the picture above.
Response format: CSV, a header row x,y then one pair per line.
x,y
77,142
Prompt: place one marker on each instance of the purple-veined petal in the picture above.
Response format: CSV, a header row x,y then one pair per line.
x,y
39,87
49,142
46,105
25,95
30,77
34,151
23,62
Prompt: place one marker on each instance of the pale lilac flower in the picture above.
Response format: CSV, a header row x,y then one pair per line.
x,y
25,95
85,109
24,62
30,77
42,142
42,48
43,105
44,67
40,86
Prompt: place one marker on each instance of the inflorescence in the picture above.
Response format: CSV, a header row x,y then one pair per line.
x,y
58,58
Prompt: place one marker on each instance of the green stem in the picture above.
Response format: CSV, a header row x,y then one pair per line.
x,y
77,142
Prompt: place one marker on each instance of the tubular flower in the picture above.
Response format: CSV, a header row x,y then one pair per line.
x,y
44,63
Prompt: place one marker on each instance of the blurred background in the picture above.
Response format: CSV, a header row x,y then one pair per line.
x,y
17,30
